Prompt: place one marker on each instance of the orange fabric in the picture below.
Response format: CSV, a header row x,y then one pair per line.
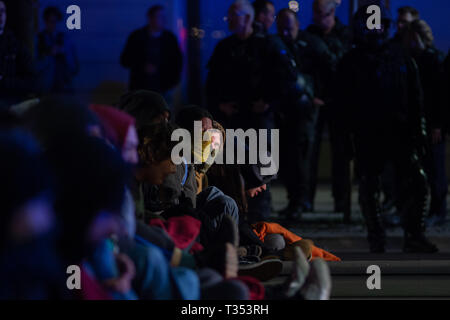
x,y
262,229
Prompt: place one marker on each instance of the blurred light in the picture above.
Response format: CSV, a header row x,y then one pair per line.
x,y
197,33
294,6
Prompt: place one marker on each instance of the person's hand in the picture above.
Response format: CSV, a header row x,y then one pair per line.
x,y
216,139
127,271
255,191
151,69
419,44
228,108
260,106
436,136
318,102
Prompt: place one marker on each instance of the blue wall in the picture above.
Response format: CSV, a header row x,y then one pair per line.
x,y
107,23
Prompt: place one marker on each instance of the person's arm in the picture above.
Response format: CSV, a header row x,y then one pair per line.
x,y
416,114
175,61
128,56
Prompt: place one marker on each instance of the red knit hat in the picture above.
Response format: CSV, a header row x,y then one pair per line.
x,y
115,123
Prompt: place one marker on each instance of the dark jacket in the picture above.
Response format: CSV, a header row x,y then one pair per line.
x,y
329,48
163,52
236,72
379,93
290,87
16,70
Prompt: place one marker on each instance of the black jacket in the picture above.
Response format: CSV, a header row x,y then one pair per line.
x,y
163,52
290,84
329,48
236,72
380,93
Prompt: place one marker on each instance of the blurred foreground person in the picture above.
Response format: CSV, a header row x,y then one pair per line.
x,y
90,179
381,98
419,41
16,66
153,55
333,40
30,268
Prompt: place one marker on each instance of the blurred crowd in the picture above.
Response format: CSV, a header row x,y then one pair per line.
x,y
94,188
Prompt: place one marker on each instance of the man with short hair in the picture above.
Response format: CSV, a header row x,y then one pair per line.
x,y
153,55
236,71
236,84
16,67
264,16
406,15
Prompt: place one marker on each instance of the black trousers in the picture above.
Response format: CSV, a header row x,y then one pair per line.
x,y
374,149
296,145
341,156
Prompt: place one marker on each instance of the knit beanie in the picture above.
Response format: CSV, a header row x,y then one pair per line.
x,y
145,106
115,123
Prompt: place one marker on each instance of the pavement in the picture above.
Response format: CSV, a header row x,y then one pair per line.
x,y
403,276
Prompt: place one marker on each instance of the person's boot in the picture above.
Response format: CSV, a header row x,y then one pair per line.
x,y
414,220
418,244
264,270
293,212
371,211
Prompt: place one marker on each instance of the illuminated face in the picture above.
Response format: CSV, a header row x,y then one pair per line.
x,y
2,16
255,191
130,145
404,20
